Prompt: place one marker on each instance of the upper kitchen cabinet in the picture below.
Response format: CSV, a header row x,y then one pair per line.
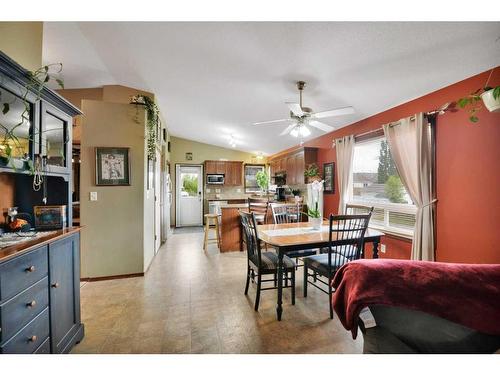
x,y
293,164
232,171
36,123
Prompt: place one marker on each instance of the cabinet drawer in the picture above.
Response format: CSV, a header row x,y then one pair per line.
x,y
44,348
28,339
21,272
19,310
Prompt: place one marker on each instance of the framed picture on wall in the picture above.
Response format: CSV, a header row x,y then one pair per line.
x,y
329,177
112,166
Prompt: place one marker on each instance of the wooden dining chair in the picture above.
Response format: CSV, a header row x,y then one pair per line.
x,y
346,236
261,263
284,214
259,207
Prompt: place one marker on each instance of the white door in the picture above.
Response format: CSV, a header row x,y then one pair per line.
x,y
158,201
189,195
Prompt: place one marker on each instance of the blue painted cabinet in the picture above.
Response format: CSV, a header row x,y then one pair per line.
x,y
64,276
40,298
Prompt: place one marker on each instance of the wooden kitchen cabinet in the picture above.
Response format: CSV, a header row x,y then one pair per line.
x,y
232,171
294,164
290,170
210,167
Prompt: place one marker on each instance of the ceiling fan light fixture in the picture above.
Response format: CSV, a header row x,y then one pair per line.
x,y
294,132
304,131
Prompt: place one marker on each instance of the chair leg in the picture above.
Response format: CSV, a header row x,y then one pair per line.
x,y
330,299
248,281
257,298
293,286
305,280
276,279
205,240
286,279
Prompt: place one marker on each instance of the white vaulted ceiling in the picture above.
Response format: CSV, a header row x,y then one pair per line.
x,y
215,79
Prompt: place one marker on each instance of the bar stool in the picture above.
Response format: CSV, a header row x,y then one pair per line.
x,y
211,219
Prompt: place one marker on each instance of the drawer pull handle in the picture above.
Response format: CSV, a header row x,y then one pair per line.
x,y
31,269
55,285
31,304
33,338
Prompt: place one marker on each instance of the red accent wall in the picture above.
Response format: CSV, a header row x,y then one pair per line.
x,y
467,173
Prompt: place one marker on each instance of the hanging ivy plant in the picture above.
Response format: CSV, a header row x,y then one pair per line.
x,y
152,122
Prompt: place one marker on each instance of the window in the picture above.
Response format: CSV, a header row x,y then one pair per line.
x,y
376,183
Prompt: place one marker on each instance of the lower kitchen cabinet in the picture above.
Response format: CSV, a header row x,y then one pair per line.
x,y
40,313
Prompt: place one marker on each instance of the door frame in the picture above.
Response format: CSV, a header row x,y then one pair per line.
x,y
177,197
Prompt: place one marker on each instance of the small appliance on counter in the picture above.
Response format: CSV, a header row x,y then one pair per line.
x,y
280,194
50,217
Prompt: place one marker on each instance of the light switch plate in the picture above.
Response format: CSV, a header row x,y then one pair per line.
x,y
93,195
382,248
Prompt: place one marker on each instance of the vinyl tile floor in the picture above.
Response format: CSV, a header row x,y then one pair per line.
x,y
192,301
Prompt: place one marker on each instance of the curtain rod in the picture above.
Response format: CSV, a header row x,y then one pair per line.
x,y
445,108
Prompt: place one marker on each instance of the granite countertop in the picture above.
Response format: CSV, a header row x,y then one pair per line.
x,y
24,245
234,205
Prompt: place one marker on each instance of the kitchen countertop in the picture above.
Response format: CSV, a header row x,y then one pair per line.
x,y
245,205
7,253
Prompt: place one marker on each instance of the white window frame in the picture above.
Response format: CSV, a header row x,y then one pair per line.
x,y
387,207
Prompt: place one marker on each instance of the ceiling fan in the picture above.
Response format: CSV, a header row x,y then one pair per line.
x,y
302,117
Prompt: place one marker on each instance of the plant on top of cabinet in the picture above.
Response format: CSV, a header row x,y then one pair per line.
x,y
153,120
16,130
312,173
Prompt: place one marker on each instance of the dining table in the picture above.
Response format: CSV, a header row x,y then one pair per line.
x,y
290,237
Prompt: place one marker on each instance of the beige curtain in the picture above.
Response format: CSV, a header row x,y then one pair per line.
x,y
410,146
345,154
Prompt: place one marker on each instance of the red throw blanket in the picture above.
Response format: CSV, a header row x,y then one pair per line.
x,y
467,294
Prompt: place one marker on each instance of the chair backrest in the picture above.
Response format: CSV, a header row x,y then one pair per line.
x,y
348,232
258,206
357,209
251,238
286,213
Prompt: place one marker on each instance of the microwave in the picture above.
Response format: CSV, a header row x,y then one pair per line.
x,y
215,179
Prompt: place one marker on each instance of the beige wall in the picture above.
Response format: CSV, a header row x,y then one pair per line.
x,y
118,237
22,41
204,151
113,235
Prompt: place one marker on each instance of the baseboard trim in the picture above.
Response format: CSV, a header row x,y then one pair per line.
x,y
103,278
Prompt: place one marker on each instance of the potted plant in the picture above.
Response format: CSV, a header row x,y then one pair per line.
x,y
489,96
262,181
312,173
314,214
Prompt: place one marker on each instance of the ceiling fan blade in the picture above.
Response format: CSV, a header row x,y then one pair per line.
x,y
295,108
321,126
334,112
288,129
271,122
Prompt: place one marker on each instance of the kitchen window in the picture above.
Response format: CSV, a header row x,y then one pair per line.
x,y
376,183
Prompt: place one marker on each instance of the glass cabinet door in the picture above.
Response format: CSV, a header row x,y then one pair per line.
x,y
16,128
55,136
